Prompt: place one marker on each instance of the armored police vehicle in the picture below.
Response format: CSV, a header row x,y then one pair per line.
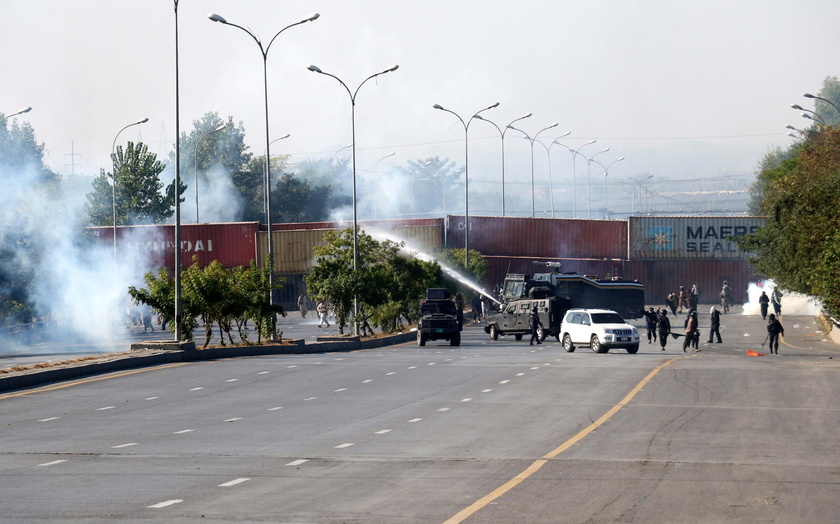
x,y
440,318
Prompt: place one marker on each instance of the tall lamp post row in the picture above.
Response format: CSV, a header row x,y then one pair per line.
x,y
532,140
502,135
316,69
267,179
466,174
22,111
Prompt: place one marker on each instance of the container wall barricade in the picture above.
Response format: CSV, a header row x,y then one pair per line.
x,y
661,277
690,238
540,237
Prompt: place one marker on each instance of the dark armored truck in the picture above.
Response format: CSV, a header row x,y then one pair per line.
x,y
440,318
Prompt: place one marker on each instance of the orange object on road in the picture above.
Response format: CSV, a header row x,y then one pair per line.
x,y
751,353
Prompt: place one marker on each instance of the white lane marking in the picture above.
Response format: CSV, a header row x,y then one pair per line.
x,y
196,389
290,367
383,431
48,419
504,381
234,419
106,407
125,445
317,362
415,420
549,363
231,380
391,373
345,445
465,399
275,408
233,482
339,359
310,398
443,409
263,373
53,463
430,364
165,503
487,391
519,374
411,367
183,431
339,390
368,381
297,462
152,398
535,368
447,360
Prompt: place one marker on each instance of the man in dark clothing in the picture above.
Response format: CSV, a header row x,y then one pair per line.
x,y
776,300
714,324
651,318
671,301
690,331
663,325
764,302
534,322
476,308
774,329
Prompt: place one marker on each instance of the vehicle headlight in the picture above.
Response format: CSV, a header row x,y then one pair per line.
x,y
608,331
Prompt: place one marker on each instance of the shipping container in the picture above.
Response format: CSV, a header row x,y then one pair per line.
x,y
661,277
362,224
540,237
153,246
691,238
294,249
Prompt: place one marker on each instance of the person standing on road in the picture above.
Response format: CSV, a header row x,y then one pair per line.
x,y
726,296
534,322
714,325
672,301
690,331
663,325
776,300
303,305
322,310
695,296
651,318
475,303
764,301
683,298
774,329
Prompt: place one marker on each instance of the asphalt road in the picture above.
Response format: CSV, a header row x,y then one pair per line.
x,y
493,432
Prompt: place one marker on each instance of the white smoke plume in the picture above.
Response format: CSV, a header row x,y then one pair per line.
x,y
792,303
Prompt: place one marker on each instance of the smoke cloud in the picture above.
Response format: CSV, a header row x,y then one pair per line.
x,y
792,303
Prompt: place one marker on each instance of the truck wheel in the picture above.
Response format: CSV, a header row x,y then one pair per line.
x,y
518,337
567,344
494,332
455,340
596,346
541,334
632,349
421,338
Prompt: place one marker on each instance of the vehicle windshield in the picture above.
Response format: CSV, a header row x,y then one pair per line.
x,y
607,318
443,307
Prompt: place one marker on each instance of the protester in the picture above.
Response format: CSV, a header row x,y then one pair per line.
x,y
534,322
663,325
774,329
651,318
690,331
714,325
764,302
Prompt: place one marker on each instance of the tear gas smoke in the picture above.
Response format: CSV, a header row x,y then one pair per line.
x,y
792,303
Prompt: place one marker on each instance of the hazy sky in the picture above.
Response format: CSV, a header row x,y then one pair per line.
x,y
680,88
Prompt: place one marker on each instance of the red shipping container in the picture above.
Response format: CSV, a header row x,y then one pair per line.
x,y
540,237
661,277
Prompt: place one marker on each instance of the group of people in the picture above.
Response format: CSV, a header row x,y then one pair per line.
x,y
775,298
321,307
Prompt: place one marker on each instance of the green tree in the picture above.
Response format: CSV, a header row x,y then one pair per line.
x,y
799,246
831,92
475,273
140,198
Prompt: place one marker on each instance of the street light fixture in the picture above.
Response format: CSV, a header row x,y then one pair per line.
x,y
817,119
589,181
550,176
575,154
606,174
502,134
809,95
376,185
638,182
195,166
804,115
316,69
22,111
267,179
265,200
466,175
532,140
114,195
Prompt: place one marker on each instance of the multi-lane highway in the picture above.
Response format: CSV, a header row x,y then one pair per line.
x,y
487,432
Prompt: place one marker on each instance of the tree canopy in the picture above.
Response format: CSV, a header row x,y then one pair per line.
x,y
139,197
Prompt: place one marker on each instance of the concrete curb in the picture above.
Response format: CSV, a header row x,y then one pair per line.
x,y
187,353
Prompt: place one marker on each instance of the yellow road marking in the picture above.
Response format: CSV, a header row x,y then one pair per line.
x,y
537,464
80,382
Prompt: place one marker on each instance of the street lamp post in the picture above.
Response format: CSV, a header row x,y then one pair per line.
x,y
22,111
574,154
466,175
809,95
638,182
265,175
502,134
532,140
114,195
316,69
376,185
267,181
195,160
806,115
589,181
606,174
